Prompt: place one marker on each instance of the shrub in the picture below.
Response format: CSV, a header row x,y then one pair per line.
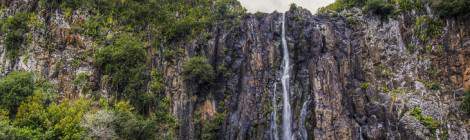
x,y
124,63
427,121
408,5
15,27
14,88
379,7
210,128
365,85
53,121
99,125
157,84
466,103
132,126
339,5
81,81
451,8
198,70
427,28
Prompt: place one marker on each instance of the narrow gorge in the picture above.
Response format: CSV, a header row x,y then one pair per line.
x,y
345,74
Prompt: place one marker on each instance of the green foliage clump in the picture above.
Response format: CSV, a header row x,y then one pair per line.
x,y
15,28
210,128
452,8
129,125
8,131
379,7
408,5
427,28
383,8
15,88
170,54
444,8
157,84
169,20
124,63
339,5
427,121
81,81
466,103
198,71
53,121
39,118
365,85
99,125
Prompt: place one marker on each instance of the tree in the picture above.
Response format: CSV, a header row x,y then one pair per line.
x,y
14,88
130,125
379,7
15,27
65,119
466,103
100,125
52,121
451,8
199,71
124,62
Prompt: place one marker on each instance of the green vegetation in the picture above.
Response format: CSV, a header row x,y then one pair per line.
x,y
427,28
384,8
42,116
466,103
340,5
132,126
55,121
365,85
408,5
154,16
427,121
15,88
15,28
379,7
210,128
452,8
124,63
411,48
198,71
81,81
170,54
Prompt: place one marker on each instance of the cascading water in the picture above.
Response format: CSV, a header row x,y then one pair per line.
x,y
274,114
303,115
286,110
360,133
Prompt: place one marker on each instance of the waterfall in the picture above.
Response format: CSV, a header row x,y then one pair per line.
x,y
360,133
286,110
303,115
274,114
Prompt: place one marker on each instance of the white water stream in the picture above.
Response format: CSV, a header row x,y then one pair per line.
x,y
286,110
274,114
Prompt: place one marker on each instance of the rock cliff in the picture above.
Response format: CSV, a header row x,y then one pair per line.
x,y
353,75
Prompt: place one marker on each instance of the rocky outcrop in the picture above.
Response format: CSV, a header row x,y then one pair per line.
x,y
352,77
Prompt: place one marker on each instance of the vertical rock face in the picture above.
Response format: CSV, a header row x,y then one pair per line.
x,y
348,80
357,80
466,80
